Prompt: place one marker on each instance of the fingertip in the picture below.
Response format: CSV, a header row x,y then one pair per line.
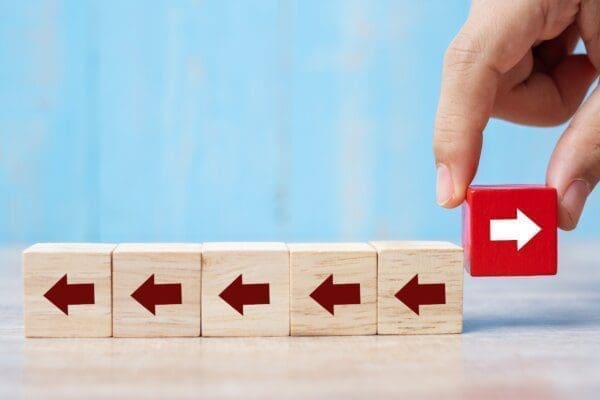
x,y
565,222
444,187
446,193
572,202
456,201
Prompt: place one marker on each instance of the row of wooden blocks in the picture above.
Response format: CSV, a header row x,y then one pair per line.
x,y
242,289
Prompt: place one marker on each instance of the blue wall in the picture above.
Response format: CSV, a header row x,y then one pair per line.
x,y
223,120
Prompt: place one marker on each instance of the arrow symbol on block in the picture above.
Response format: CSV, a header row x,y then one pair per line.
x,y
329,294
150,295
63,294
239,294
415,294
521,229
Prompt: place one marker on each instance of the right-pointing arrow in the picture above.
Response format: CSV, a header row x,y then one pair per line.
x,y
521,229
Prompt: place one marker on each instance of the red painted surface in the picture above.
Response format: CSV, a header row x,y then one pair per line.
x,y
489,207
415,294
329,294
151,295
239,294
63,294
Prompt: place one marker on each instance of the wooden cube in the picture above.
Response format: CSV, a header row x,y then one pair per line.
x,y
420,287
156,290
245,289
333,289
67,291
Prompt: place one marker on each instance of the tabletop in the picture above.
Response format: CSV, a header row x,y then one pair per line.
x,y
535,337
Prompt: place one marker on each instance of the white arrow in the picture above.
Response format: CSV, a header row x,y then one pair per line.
x,y
522,229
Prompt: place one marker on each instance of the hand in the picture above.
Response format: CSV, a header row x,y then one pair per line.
x,y
513,60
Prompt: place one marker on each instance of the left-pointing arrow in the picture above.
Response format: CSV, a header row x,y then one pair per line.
x,y
239,294
329,294
63,294
151,295
414,294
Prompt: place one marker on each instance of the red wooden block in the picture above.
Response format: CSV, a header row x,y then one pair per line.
x,y
510,230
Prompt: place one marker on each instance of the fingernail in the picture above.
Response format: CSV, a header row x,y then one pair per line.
x,y
574,199
444,185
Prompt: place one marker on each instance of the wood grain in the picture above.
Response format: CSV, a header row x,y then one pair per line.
x,y
433,262
257,263
310,265
44,264
174,263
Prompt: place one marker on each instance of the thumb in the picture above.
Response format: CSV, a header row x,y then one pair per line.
x,y
574,168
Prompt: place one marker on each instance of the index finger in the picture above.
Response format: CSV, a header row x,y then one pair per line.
x,y
496,36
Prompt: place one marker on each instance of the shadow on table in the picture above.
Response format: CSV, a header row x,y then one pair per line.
x,y
293,367
583,315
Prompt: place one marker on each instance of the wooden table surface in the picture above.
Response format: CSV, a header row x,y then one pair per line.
x,y
523,338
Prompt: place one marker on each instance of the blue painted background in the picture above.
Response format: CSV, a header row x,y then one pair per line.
x,y
233,120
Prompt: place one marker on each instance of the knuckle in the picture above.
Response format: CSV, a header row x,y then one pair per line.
x,y
556,15
446,124
463,52
589,29
446,141
595,155
589,149
456,138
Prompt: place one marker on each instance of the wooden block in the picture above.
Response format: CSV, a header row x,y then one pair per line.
x,y
156,290
245,289
510,230
420,287
67,290
333,289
